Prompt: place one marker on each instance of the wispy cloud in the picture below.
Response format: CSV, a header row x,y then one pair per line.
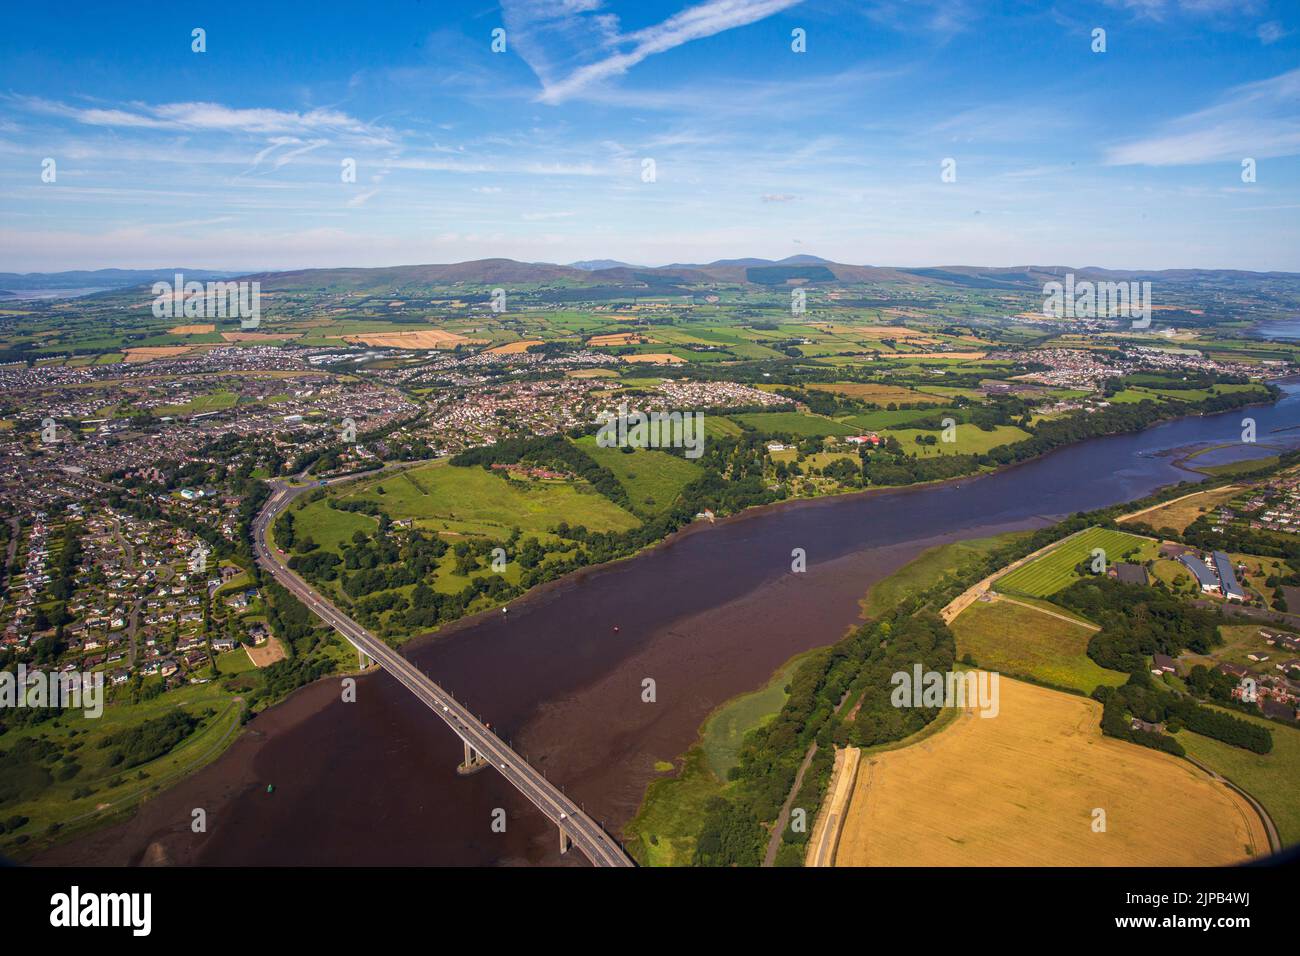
x,y
556,39
198,116
1161,9
283,157
1271,32
1256,119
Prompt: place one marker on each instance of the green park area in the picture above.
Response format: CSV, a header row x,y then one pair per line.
x,y
652,479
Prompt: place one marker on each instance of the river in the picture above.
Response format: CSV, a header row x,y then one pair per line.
x,y
709,615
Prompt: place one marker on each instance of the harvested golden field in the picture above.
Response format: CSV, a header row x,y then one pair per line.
x,y
192,329
1019,789
259,336
889,331
964,356
620,338
147,353
659,358
423,339
877,393
513,348
1181,512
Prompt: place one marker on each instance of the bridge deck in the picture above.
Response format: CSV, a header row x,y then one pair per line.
x,y
585,833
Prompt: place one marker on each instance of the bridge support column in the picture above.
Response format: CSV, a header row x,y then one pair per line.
x,y
565,842
474,761
362,661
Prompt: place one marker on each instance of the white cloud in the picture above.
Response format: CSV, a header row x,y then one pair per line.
x,y
1257,120
198,116
557,43
1271,32
1160,9
360,199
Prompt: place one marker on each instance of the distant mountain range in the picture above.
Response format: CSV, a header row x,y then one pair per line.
x,y
608,276
100,278
811,270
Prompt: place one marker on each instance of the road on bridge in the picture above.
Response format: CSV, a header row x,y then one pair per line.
x,y
594,843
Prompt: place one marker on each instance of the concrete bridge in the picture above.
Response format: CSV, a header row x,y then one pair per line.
x,y
482,747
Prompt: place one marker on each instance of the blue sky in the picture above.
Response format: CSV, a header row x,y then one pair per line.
x,y
232,158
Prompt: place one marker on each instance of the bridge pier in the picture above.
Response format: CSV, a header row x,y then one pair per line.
x,y
362,661
474,761
565,842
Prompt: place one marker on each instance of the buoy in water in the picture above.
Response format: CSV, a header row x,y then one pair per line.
x,y
270,788
615,628
505,610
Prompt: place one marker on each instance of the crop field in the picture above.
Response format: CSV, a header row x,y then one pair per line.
x,y
795,423
875,421
879,394
1055,570
1006,637
1020,789
423,339
652,479
1181,512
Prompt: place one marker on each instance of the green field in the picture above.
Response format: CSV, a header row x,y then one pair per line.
x,y
57,807
877,420
1055,570
1005,637
715,426
1270,778
929,568
970,440
652,479
443,497
795,423
234,662
212,402
330,528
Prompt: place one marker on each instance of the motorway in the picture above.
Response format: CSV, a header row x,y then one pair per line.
x,y
594,843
